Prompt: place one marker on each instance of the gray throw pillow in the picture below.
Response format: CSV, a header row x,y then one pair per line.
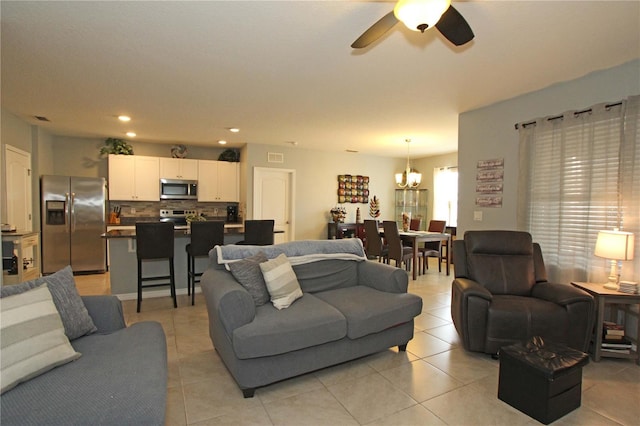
x,y
74,314
282,283
248,273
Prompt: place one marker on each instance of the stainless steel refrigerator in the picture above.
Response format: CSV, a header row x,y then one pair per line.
x,y
73,218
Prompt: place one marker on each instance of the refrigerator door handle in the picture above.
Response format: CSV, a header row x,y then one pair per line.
x,y
67,222
73,212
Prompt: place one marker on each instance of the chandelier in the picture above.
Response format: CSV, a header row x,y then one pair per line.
x,y
410,178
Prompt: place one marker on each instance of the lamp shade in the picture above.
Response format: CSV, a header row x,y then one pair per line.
x,y
615,245
415,13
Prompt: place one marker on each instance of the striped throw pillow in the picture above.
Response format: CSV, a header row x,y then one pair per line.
x,y
32,339
281,281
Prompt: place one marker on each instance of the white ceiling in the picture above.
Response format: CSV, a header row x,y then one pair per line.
x,y
284,71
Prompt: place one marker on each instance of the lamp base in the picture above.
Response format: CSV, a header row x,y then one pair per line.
x,y
611,286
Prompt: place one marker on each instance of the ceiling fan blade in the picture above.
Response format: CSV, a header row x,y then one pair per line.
x,y
454,27
375,31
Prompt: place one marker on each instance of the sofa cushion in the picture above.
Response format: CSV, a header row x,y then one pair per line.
x,y
31,336
62,286
516,318
308,322
121,379
327,274
370,311
249,275
281,281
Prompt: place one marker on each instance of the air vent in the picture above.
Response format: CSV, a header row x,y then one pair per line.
x,y
41,118
275,157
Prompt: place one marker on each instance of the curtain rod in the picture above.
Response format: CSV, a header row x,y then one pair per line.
x,y
556,117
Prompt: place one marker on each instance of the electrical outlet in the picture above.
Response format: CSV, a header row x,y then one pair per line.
x,y
133,210
477,215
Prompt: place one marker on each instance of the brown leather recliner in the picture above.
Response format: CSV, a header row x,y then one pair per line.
x,y
501,295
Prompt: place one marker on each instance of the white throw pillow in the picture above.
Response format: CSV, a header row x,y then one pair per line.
x,y
281,281
32,339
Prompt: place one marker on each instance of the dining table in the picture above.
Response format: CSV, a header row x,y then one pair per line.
x,y
418,237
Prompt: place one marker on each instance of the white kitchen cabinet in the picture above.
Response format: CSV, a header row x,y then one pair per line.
x,y
178,168
218,181
134,177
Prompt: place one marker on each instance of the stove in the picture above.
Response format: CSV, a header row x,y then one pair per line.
x,y
178,217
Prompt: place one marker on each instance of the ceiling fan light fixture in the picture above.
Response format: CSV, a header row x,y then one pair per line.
x,y
418,15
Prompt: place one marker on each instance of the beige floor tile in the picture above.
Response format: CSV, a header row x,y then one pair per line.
x,y
416,415
315,408
423,345
479,409
288,388
617,398
216,397
175,414
464,366
443,313
421,380
390,358
426,321
447,333
201,366
371,397
249,416
347,371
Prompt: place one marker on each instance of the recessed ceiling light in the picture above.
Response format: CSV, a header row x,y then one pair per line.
x,y
351,150
293,143
131,134
234,129
222,142
124,118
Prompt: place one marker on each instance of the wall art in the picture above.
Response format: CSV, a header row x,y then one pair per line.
x,y
489,182
353,189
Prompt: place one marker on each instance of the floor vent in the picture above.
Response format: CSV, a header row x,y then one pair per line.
x,y
275,157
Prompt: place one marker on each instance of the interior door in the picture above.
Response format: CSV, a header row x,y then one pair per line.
x,y
273,198
18,184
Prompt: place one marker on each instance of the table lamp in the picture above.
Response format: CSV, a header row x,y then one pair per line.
x,y
616,246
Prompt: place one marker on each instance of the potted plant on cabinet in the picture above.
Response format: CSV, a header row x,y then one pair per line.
x,y
116,146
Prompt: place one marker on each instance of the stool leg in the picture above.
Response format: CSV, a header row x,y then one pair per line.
x,y
193,280
188,274
173,282
139,284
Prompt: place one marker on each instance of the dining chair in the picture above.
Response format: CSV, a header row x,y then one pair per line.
x,y
258,232
433,248
415,224
397,251
375,247
204,236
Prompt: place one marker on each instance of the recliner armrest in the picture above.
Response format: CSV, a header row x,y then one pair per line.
x,y
561,294
469,287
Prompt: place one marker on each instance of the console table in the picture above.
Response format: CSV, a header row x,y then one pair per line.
x,y
618,301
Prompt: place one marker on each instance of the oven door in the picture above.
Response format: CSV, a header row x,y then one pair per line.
x,y
178,189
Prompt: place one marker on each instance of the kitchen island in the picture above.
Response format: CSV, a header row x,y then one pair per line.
x,y
123,267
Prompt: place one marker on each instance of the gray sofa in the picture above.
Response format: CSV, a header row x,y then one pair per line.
x,y
349,309
121,377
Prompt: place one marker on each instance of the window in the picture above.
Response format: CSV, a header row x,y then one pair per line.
x,y
445,195
578,175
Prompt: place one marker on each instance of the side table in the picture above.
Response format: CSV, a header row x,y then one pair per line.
x,y
619,301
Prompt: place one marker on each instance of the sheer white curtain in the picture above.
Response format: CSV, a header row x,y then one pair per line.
x,y
579,173
445,195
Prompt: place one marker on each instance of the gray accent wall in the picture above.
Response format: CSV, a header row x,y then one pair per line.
x,y
488,132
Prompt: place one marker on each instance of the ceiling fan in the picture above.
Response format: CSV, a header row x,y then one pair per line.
x,y
420,15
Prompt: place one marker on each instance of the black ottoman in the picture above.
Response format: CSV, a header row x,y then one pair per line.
x,y
541,378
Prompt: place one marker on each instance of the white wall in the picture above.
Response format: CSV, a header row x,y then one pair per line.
x,y
317,183
489,132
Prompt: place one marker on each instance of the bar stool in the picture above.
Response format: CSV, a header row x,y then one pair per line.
x,y
258,232
155,241
204,236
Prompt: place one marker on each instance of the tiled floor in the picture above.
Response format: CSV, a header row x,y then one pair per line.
x,y
434,383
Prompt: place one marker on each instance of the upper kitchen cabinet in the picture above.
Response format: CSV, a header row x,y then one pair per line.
x,y
218,181
134,177
178,168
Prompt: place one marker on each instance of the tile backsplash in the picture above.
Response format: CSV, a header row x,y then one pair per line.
x,y
130,210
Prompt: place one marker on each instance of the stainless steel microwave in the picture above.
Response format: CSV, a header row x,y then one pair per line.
x,y
178,189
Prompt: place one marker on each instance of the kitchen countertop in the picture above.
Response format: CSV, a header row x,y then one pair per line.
x,y
131,233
